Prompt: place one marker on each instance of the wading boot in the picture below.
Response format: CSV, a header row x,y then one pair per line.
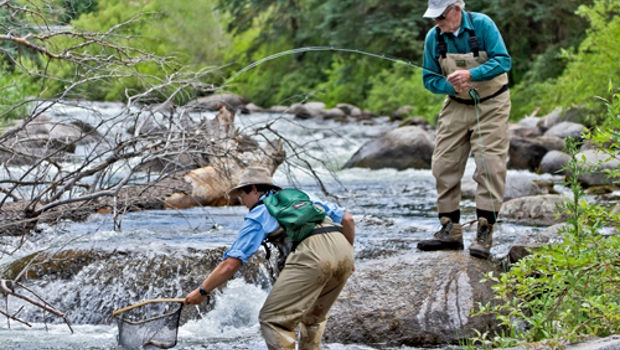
x,y
449,237
481,246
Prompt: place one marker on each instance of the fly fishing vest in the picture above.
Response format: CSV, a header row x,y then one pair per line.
x,y
450,62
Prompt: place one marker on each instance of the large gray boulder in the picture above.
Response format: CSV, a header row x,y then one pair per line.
x,y
402,148
414,300
566,129
538,210
526,153
601,163
554,162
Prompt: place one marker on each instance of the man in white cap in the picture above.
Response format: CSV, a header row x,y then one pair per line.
x,y
465,58
312,278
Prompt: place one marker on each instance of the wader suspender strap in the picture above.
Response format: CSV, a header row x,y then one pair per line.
x,y
441,44
473,41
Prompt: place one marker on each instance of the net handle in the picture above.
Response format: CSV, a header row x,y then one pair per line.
x,y
171,300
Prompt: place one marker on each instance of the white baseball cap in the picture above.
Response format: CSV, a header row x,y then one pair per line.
x,y
437,7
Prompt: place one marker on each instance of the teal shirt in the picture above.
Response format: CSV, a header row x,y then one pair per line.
x,y
489,40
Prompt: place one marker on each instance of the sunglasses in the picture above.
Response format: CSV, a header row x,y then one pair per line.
x,y
444,14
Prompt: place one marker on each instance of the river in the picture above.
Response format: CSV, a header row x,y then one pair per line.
x,y
389,206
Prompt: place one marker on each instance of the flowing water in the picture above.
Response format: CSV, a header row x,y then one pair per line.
x,y
392,209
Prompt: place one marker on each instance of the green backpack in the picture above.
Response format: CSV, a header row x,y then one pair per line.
x,y
295,212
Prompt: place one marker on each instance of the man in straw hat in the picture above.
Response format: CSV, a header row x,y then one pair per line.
x,y
465,58
312,278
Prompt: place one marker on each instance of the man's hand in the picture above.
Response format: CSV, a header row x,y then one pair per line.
x,y
461,81
195,298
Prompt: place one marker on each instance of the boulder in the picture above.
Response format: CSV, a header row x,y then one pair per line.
x,y
216,101
527,152
553,162
401,148
549,120
566,129
42,137
601,164
517,186
413,300
542,210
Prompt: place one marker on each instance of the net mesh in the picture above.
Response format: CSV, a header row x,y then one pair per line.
x,y
149,325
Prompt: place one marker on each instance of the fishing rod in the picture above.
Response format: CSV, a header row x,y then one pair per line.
x,y
327,48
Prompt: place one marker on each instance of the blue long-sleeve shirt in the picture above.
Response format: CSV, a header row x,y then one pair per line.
x,y
489,40
258,223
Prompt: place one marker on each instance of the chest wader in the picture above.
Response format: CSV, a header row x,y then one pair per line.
x,y
295,312
465,128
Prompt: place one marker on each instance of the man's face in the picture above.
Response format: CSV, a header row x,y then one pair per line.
x,y
450,20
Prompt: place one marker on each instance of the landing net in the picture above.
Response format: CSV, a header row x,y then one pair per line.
x,y
151,324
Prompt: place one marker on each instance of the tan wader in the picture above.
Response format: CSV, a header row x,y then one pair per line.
x,y
313,277
460,131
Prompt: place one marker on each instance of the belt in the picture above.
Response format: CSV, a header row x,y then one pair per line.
x,y
317,231
472,102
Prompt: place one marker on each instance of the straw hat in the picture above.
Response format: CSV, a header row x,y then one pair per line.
x,y
253,176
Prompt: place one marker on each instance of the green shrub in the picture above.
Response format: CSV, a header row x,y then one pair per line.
x,y
15,88
400,86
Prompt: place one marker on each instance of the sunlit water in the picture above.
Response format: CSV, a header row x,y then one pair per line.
x,y
389,206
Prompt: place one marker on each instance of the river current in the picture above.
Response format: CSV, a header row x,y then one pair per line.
x,y
390,207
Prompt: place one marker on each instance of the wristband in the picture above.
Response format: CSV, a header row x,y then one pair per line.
x,y
203,291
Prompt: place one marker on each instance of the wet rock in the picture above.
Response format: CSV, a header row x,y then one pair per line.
x,y
412,300
113,279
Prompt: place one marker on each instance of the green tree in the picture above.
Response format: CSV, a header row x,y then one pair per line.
x,y
76,8
588,69
188,33
536,30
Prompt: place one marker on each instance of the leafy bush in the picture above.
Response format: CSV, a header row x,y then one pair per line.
x,y
14,91
400,86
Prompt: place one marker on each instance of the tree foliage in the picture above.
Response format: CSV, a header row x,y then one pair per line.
x,y
589,68
535,33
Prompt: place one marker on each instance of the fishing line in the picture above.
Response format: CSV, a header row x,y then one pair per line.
x,y
476,97
326,48
473,93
